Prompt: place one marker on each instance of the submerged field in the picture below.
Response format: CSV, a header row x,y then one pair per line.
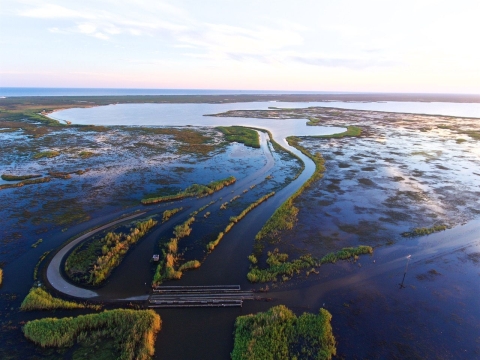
x,y
390,180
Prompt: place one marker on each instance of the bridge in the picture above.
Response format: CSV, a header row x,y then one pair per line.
x,y
198,296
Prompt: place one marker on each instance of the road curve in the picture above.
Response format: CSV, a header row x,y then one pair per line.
x,y
54,274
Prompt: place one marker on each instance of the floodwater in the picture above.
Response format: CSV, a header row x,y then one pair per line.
x,y
434,315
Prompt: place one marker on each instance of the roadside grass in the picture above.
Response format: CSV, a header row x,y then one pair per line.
x,y
278,334
39,299
133,331
241,134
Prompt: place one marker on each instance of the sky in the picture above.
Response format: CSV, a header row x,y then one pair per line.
x,y
302,45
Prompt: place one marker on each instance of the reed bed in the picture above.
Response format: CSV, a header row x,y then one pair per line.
x,y
192,191
133,331
39,299
278,334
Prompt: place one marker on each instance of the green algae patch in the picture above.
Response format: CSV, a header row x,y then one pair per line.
x,y
279,334
132,333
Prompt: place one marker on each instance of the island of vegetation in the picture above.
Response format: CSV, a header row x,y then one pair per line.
x,y
123,334
192,191
279,334
279,266
241,134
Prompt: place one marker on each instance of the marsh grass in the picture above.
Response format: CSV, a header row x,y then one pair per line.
x,y
352,131
346,253
133,331
39,299
167,214
37,265
193,190
241,134
165,269
278,334
425,231
235,219
278,264
25,182
86,154
46,154
8,177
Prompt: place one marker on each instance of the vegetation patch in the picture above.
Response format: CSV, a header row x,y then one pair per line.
x,y
193,190
279,334
235,219
92,264
166,268
25,182
39,299
278,264
46,154
346,253
133,331
86,154
9,177
352,131
425,231
241,134
167,214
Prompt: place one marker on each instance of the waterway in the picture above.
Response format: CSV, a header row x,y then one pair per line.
x,y
353,292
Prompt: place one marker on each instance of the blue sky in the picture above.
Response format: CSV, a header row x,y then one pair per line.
x,y
344,45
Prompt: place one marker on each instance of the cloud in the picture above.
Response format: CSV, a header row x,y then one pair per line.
x,y
351,63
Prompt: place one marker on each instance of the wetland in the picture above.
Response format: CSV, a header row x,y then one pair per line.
x,y
390,180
